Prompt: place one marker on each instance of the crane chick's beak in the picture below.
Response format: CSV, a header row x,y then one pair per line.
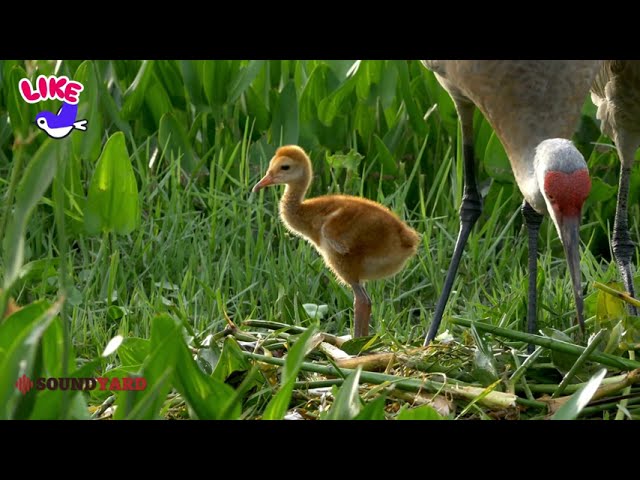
x,y
569,227
265,182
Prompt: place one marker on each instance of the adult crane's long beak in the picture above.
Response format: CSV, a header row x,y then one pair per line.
x,y
569,227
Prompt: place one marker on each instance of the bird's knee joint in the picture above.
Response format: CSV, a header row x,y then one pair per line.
x,y
622,249
471,209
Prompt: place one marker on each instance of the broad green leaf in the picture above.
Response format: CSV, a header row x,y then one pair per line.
x,y
389,165
87,144
350,160
170,363
561,360
149,401
279,404
99,394
388,85
572,408
158,370
316,89
113,112
11,326
74,195
484,367
231,360
173,141
5,134
5,69
256,109
615,335
374,410
359,345
216,75
333,105
340,67
601,191
134,96
284,126
133,350
49,403
610,315
364,120
316,312
496,162
346,405
18,358
112,204
157,101
481,135
424,412
20,112
446,108
416,117
192,75
208,357
168,73
34,183
208,398
244,79
369,74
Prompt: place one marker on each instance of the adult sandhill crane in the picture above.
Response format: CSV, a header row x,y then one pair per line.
x,y
534,107
616,93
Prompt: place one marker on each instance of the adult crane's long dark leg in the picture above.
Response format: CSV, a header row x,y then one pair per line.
x,y
470,211
621,242
532,220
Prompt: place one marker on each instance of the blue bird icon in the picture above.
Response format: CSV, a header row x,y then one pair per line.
x,y
61,124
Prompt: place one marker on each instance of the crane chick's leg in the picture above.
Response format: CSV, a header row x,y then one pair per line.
x,y
362,310
621,242
532,220
470,211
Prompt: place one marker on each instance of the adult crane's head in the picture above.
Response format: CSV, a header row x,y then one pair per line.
x,y
563,178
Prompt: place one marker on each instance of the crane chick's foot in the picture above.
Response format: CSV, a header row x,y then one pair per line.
x,y
362,310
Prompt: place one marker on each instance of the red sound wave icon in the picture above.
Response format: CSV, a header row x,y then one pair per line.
x,y
24,384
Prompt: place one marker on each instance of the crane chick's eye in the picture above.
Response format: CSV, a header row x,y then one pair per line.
x,y
284,167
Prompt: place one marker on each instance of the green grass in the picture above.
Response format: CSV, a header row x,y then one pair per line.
x,y
207,248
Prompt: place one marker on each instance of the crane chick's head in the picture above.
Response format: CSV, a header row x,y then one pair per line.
x,y
564,179
290,165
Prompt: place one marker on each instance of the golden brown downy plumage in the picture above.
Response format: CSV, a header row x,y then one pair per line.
x,y
359,239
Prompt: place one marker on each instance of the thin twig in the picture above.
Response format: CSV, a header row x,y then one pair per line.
x,y
578,363
624,296
492,399
551,343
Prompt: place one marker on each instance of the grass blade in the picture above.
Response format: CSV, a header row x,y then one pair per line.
x,y
572,408
347,403
278,406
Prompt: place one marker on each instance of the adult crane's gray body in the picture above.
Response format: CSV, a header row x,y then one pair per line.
x,y
616,93
534,107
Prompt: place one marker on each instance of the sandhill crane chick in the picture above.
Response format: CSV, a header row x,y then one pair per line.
x,y
358,239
